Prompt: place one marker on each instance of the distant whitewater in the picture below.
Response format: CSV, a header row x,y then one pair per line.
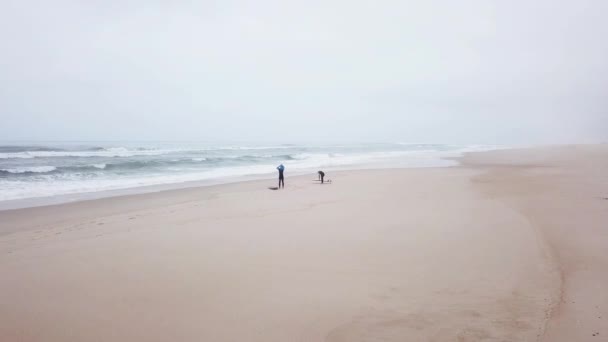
x,y
53,169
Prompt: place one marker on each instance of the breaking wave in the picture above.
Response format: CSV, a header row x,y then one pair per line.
x,y
36,170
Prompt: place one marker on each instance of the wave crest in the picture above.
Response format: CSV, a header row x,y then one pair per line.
x,y
92,152
30,169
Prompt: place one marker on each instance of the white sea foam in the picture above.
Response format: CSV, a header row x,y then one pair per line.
x,y
125,152
171,163
19,189
108,152
31,169
15,155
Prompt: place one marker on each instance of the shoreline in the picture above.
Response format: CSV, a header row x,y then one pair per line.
x,y
124,202
354,256
70,171
33,202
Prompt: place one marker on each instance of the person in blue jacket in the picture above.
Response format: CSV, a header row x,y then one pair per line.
x,y
281,168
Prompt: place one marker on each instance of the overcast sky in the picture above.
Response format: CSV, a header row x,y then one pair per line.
x,y
410,71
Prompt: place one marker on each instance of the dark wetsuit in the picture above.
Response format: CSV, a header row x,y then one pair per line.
x,y
281,178
321,176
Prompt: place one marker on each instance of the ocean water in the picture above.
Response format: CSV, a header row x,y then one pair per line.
x,y
37,170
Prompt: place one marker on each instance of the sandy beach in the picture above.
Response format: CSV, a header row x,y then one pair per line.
x,y
510,246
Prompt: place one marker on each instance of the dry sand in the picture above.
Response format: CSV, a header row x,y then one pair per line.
x,y
511,246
